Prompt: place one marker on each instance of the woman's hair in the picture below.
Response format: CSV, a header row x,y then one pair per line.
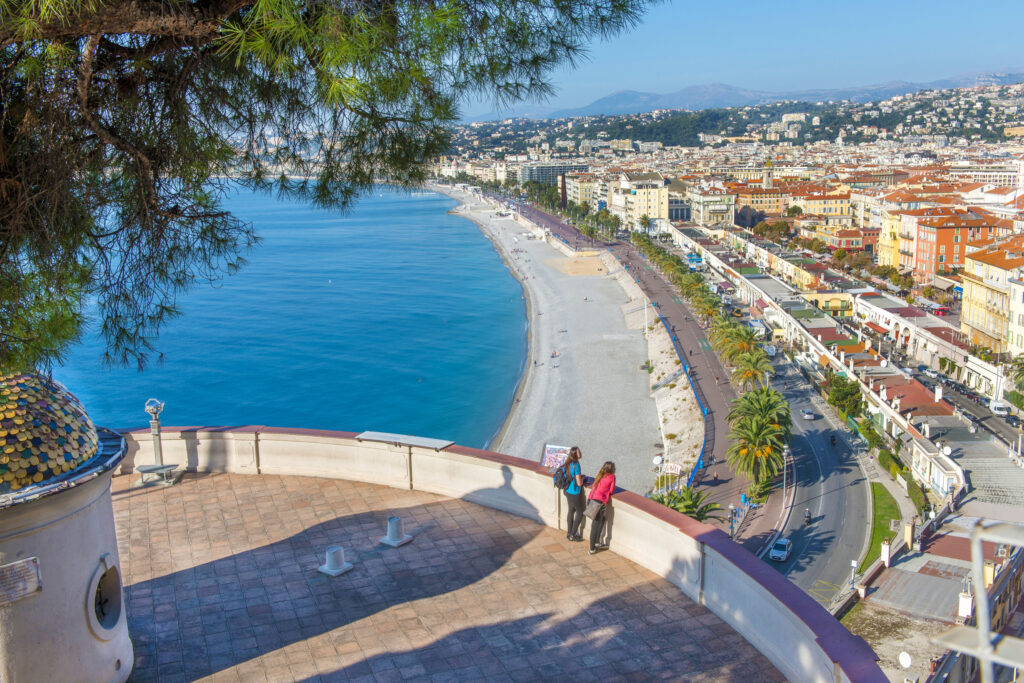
x,y
574,455
607,468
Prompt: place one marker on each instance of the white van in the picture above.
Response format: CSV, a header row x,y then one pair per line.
x,y
1000,409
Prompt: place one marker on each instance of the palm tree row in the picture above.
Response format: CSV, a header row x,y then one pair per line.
x,y
761,427
760,421
737,345
691,285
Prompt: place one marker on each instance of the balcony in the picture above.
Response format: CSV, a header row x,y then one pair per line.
x,y
906,252
906,236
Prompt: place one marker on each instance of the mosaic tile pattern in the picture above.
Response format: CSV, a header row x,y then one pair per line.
x,y
44,431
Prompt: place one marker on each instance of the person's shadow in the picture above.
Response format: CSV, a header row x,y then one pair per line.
x,y
233,609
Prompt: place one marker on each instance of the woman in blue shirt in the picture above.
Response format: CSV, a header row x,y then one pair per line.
x,y
574,495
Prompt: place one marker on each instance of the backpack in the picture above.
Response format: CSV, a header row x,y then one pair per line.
x,y
562,478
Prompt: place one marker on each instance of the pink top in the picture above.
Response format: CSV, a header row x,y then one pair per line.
x,y
604,488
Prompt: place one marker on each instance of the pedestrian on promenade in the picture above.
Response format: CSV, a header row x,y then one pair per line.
x,y
574,495
597,504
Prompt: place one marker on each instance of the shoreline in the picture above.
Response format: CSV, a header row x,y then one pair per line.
x,y
462,210
586,381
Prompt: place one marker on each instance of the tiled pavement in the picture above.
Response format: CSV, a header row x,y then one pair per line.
x,y
221,582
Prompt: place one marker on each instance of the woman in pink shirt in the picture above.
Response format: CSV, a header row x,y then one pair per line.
x,y
601,491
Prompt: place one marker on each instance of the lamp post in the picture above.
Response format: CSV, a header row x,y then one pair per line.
x,y
853,574
154,407
732,518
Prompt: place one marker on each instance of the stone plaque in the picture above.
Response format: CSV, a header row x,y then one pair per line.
x,y
19,580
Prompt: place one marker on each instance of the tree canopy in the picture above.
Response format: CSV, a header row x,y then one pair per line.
x,y
121,124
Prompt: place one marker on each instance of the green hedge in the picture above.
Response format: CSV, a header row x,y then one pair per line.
x,y
1015,398
917,496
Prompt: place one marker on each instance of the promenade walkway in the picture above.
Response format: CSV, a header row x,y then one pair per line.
x,y
221,581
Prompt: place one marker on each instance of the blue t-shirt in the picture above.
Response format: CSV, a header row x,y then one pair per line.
x,y
573,487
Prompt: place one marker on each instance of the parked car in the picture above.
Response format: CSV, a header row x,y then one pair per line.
x,y
807,414
1012,420
781,550
1000,409
737,313
931,373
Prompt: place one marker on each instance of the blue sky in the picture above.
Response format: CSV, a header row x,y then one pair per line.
x,y
790,45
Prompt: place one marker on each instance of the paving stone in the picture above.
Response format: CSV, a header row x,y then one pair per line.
x,y
479,594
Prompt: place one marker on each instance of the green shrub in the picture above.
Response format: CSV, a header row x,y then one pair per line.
x,y
885,459
1015,398
758,492
670,437
918,497
867,430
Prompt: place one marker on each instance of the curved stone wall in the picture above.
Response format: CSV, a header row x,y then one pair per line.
x,y
797,635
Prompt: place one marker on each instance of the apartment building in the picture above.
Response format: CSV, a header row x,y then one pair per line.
x,y
770,201
991,266
711,205
823,204
635,195
548,172
942,240
586,189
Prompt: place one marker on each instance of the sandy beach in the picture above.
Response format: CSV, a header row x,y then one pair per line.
x,y
595,393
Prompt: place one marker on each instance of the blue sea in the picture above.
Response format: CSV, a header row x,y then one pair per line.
x,y
394,317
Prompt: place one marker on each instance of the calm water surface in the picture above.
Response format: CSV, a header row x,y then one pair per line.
x,y
396,317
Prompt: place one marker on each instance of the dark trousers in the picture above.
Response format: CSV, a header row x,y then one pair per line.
x,y
597,527
575,504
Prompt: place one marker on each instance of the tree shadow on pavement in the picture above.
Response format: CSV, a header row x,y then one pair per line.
x,y
221,613
640,632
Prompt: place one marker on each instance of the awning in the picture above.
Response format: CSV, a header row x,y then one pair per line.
x,y
876,327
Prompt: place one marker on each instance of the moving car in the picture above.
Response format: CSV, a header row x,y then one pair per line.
x,y
780,550
807,414
737,313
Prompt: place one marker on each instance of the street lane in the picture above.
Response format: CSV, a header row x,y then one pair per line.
x,y
831,484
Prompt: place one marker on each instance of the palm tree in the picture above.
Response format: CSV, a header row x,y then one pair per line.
x,y
756,449
752,368
763,403
706,305
1016,371
732,340
690,502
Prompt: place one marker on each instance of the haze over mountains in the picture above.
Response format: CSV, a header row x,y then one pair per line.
x,y
715,95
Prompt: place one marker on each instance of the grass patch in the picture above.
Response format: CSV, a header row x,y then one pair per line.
x,y
883,509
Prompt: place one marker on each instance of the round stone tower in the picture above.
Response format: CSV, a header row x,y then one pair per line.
x,y
62,616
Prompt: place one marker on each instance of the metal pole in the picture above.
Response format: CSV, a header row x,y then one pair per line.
x,y
154,429
982,618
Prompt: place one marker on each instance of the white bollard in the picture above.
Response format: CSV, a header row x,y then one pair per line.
x,y
334,563
396,533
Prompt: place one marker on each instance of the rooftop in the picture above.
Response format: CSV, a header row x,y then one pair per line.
x,y
220,579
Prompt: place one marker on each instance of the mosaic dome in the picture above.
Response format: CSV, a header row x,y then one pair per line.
x,y
44,431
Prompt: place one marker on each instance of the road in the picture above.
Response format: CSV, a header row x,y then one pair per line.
x,y
831,484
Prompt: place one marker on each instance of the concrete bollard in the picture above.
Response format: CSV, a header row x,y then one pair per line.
x,y
334,563
396,533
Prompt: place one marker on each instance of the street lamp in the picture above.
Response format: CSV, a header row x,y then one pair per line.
x,y
154,408
732,518
853,574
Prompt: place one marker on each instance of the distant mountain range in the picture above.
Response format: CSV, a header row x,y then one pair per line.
x,y
716,95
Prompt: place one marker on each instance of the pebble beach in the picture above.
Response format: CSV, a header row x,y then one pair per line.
x,y
585,383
